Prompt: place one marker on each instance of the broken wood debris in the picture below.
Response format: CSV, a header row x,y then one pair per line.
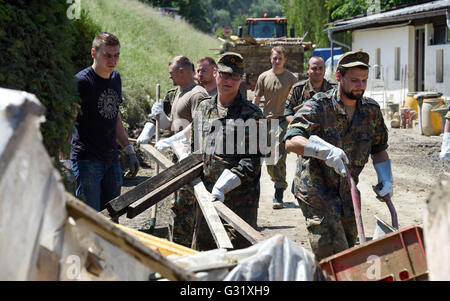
x,y
127,242
223,211
156,188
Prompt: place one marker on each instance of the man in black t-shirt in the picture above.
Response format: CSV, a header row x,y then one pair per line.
x,y
94,153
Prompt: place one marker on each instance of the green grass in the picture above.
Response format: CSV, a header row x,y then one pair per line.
x,y
148,42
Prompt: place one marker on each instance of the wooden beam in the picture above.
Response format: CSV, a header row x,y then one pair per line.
x,y
238,223
223,211
128,243
163,245
164,186
157,187
212,218
159,158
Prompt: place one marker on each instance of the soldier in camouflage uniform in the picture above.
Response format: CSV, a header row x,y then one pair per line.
x,y
336,127
305,89
232,176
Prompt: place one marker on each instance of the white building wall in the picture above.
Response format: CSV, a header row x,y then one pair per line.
x,y
431,66
387,39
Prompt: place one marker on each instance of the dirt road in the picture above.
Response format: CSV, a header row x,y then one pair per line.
x,y
416,169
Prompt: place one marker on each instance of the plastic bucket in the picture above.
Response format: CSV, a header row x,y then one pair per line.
x,y
411,102
431,121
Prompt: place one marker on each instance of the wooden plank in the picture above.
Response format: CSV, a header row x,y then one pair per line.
x,y
238,223
158,128
127,242
159,158
163,245
206,205
118,206
212,218
163,188
229,216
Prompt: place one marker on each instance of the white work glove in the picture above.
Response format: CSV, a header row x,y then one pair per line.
x,y
445,148
147,133
158,109
165,143
225,183
333,156
134,163
385,185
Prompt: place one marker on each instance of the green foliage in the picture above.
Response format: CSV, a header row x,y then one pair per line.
x,y
148,41
40,54
309,19
192,10
342,9
310,16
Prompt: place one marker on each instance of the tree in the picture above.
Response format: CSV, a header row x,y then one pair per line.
x,y
342,9
308,18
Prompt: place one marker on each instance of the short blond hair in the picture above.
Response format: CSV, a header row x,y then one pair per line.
x,y
279,49
181,62
105,38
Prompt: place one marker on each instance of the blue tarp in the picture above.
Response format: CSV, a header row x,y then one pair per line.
x,y
326,52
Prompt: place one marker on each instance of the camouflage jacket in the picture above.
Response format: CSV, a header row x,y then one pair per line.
x,y
324,115
301,92
226,144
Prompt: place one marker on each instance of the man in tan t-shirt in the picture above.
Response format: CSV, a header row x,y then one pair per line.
x,y
274,85
189,95
205,74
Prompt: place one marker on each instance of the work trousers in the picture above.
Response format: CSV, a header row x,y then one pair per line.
x,y
328,234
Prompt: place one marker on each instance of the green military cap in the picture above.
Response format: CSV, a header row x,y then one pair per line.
x,y
231,62
354,58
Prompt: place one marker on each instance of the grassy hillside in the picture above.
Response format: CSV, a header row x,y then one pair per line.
x,y
148,42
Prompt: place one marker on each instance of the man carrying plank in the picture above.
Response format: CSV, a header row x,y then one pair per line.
x,y
230,173
185,102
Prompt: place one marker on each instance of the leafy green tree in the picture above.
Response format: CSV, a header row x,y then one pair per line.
x,y
259,7
308,18
342,9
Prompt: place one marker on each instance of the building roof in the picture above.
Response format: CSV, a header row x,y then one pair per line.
x,y
395,16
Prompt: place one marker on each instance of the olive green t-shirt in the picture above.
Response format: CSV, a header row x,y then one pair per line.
x,y
275,89
184,106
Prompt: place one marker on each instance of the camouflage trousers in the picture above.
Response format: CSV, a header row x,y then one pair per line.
x,y
183,209
328,234
277,171
203,239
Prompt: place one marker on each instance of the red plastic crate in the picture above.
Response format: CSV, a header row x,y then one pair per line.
x,y
396,256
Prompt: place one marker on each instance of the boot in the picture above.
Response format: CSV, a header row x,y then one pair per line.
x,y
278,198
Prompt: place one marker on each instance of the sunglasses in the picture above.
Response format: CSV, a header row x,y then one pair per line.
x,y
227,76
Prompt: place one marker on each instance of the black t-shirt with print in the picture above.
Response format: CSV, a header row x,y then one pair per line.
x,y
96,128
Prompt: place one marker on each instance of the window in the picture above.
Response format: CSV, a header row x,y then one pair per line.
x,y
440,34
397,63
440,65
377,63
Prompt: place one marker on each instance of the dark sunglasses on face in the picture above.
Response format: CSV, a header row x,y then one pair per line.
x,y
227,76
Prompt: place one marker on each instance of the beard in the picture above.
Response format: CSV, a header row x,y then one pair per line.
x,y
350,94
204,81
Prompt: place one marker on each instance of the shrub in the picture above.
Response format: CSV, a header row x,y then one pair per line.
x,y
40,52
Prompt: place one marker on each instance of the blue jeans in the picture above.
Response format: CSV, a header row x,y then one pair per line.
x,y
97,183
